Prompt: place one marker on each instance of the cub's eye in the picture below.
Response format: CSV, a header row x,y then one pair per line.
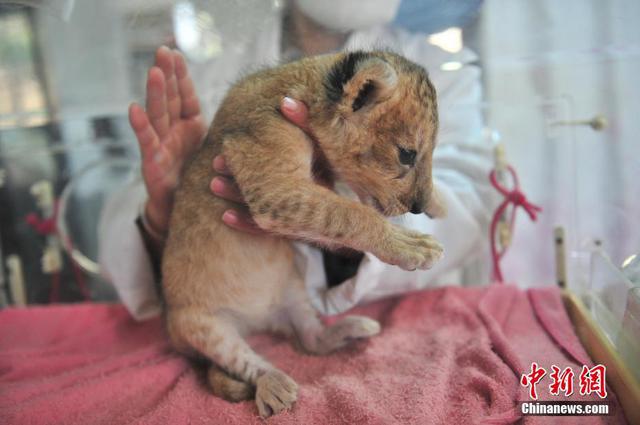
x,y
407,156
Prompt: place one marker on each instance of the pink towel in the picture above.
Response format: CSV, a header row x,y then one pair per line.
x,y
445,356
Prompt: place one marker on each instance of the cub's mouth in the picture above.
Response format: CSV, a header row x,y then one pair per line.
x,y
391,210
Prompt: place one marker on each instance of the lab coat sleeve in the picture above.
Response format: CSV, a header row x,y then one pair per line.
x,y
462,161
123,257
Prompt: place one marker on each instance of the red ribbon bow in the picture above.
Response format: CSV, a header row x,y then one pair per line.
x,y
42,226
517,199
46,227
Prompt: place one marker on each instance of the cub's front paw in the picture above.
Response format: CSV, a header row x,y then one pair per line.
x,y
275,391
410,250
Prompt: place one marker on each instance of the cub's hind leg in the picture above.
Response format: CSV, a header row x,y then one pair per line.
x,y
216,337
227,387
317,338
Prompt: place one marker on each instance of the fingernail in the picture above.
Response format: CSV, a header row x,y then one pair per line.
x,y
289,103
230,216
217,185
218,164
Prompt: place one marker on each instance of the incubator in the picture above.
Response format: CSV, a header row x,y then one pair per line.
x,y
560,105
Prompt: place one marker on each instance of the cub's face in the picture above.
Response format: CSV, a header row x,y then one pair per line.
x,y
380,134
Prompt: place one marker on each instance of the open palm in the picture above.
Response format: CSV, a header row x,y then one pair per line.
x,y
168,130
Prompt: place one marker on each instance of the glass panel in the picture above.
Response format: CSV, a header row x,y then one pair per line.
x,y
69,70
615,305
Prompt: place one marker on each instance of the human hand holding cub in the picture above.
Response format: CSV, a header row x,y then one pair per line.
x,y
169,130
224,186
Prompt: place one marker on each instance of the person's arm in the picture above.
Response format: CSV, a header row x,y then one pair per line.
x,y
134,221
123,255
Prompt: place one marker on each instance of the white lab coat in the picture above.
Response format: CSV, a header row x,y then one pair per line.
x,y
462,161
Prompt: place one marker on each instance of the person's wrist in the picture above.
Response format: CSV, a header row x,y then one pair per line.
x,y
154,222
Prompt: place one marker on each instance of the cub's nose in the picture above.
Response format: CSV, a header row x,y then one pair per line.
x,y
415,208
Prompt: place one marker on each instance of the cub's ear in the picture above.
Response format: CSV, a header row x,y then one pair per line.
x,y
360,80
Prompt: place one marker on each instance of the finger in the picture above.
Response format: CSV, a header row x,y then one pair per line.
x,y
147,137
165,61
296,112
241,221
156,165
226,189
157,102
220,165
188,98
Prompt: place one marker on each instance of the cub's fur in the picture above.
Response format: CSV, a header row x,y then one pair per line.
x,y
374,119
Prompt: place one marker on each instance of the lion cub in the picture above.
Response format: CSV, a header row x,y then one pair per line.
x,y
374,119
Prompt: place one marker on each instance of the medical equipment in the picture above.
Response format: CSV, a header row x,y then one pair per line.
x,y
51,260
54,190
503,223
631,269
111,175
607,318
597,123
608,324
16,281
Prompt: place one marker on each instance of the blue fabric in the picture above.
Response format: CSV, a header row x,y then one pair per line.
x,y
431,16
